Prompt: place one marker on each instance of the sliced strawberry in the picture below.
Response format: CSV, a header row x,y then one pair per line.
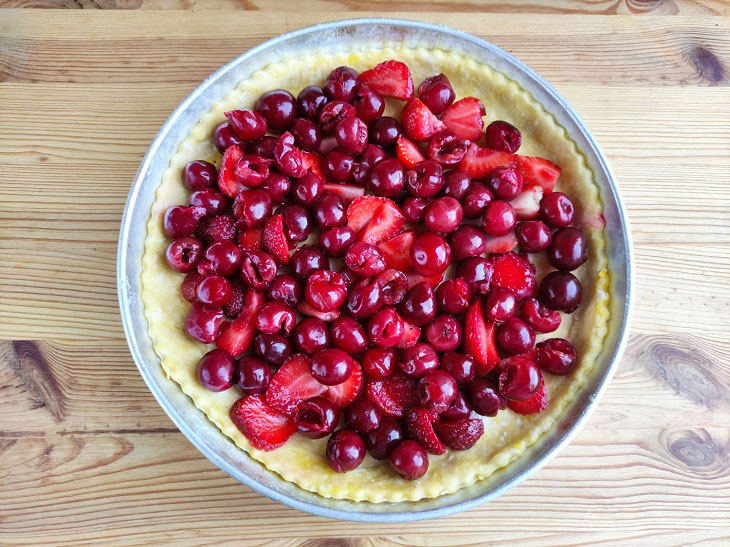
x,y
237,339
397,251
538,171
537,403
415,278
527,203
264,427
346,392
419,424
292,384
459,434
419,122
480,338
313,163
393,395
408,152
464,118
375,219
348,192
274,240
479,162
226,180
501,244
515,273
234,307
250,240
305,309
389,78
411,334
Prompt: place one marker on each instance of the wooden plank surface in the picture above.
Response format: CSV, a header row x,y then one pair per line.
x,y
86,454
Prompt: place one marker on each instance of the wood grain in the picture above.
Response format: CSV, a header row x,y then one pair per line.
x,y
86,454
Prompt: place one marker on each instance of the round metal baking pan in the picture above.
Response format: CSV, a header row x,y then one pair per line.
x,y
337,37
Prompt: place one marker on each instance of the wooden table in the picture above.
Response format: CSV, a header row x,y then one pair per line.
x,y
86,454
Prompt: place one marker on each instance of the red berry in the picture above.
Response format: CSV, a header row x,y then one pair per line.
x,y
214,290
279,108
252,375
409,460
383,439
436,390
349,335
532,235
316,418
539,317
215,370
363,416
568,249
556,355
499,218
418,360
556,210
443,215
325,290
519,378
247,124
461,367
514,336
430,254
501,305
503,136
331,366
385,328
183,254
345,450
311,335
286,289
436,93
310,101
452,296
505,182
379,363
459,434
258,269
203,323
560,291
485,399
199,175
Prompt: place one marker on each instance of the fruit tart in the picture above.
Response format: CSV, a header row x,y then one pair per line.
x,y
382,274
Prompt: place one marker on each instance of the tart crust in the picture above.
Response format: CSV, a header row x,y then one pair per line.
x,y
508,435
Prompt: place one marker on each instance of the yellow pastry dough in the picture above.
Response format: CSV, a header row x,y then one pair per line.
x,y
301,460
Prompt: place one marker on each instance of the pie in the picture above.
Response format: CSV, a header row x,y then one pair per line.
x,y
399,230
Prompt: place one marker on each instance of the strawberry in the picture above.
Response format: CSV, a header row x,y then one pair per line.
x,y
411,334
459,434
306,309
264,427
210,230
515,273
396,251
419,122
274,240
538,172
234,307
480,338
393,395
537,403
464,118
408,152
415,278
479,162
501,244
348,192
419,424
292,384
313,163
189,286
527,203
250,239
389,78
237,339
346,392
375,219
226,180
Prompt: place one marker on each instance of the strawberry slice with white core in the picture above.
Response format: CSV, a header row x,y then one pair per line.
x,y
226,180
375,219
539,172
419,122
501,244
480,338
346,392
264,427
393,395
306,309
479,162
274,241
389,78
415,278
312,162
239,336
396,251
292,384
348,192
408,152
527,203
411,334
464,118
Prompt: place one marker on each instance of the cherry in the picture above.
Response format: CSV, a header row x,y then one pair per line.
x,y
338,165
325,290
443,215
203,323
409,460
215,370
279,108
437,390
447,149
538,317
331,366
476,200
462,368
251,170
568,249
505,182
224,137
252,207
288,157
213,202
247,124
222,258
384,131
199,175
370,156
379,363
419,304
456,184
365,259
556,355
189,285
436,93
452,296
414,209
460,409
311,335
341,84
363,415
264,147
352,135
385,328
276,317
364,299
297,224
307,259
393,286
345,450
560,291
515,336
181,221
499,218
467,241
213,290
501,304
369,104
425,180
252,375
277,186
286,289
337,240
310,101
349,335
418,360
306,134
383,439
258,269
316,417
476,273
329,210
532,235
430,254
349,276
184,253
556,209
272,348
333,113
519,378
485,399
387,177
444,333
307,189
503,136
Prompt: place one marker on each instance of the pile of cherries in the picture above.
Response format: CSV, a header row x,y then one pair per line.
x,y
408,360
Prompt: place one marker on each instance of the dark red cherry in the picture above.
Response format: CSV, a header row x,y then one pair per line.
x,y
515,336
181,221
452,296
329,210
364,299
437,390
345,450
286,289
485,399
307,259
252,207
316,417
276,317
532,235
461,367
425,180
436,93
333,113
214,290
499,218
379,363
341,84
297,223
370,156
337,240
184,253
311,335
447,149
252,375
556,209
519,378
310,100
338,165
456,184
199,174
258,269
501,304
414,209
505,182
383,439
369,104
539,317
306,134
477,273
467,241
444,333
430,254
349,335
384,131
325,290
460,409
417,360
560,291
352,135
288,157
409,460
222,258
385,328
503,136
387,177
365,259
279,108
203,323
277,186
189,286
393,286
419,304
556,356
247,124
307,189
331,366
215,370
363,415
443,215
476,200
568,249
224,137
213,202
272,348
263,147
